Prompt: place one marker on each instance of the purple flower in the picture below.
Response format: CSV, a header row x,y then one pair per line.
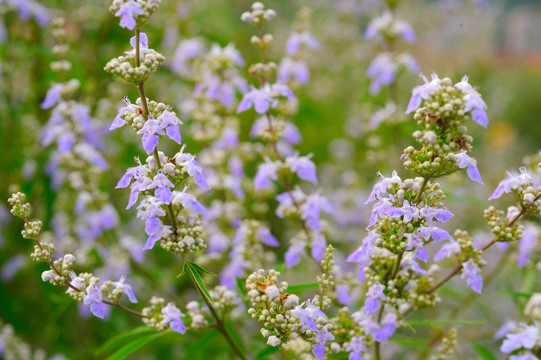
x,y
265,98
321,337
94,299
382,71
416,243
379,210
422,92
447,250
143,45
136,172
150,130
525,356
408,211
522,180
311,210
356,347
54,95
189,162
465,161
170,122
264,235
477,106
155,230
173,317
186,51
303,166
297,40
389,325
527,338
293,69
470,272
380,189
363,254
188,201
527,244
162,185
441,215
126,289
266,174
307,314
228,140
433,232
373,296
293,255
387,23
119,121
127,13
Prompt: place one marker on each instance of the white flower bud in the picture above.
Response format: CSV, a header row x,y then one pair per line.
x,y
291,301
273,341
529,198
533,307
430,137
247,17
272,292
47,275
69,258
258,6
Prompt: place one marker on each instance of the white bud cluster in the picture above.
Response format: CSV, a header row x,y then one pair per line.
x,y
189,234
148,7
259,15
224,299
154,313
81,282
125,66
195,312
19,206
43,253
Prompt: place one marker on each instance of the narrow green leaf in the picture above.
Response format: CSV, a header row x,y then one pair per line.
x,y
418,344
199,283
266,352
231,329
514,293
484,352
117,341
183,271
301,287
202,269
135,345
446,321
240,286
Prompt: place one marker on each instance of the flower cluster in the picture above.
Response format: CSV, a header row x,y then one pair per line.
x,y
161,316
523,340
287,323
443,109
133,13
294,203
137,65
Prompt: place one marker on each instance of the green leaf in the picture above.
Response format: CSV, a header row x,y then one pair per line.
x,y
514,293
135,345
199,283
266,352
484,352
240,286
417,344
301,287
236,338
446,322
117,341
183,271
202,269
